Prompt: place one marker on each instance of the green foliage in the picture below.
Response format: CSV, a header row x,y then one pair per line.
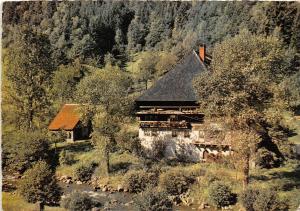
x,y
152,200
78,201
138,180
107,88
128,140
262,200
248,197
29,71
266,159
22,149
39,185
84,171
66,158
175,182
220,194
64,82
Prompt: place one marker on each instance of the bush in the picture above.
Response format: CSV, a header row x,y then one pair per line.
x,y
268,200
66,158
157,149
248,198
266,159
137,181
78,201
84,172
153,200
128,140
220,194
261,200
175,182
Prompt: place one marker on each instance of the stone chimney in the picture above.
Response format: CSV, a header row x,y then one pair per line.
x,y
202,53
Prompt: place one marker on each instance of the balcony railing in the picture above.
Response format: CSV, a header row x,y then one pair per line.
x,y
164,124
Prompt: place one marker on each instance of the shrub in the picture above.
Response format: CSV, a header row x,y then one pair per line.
x,y
66,158
78,201
220,194
84,172
175,182
158,148
153,200
137,181
268,200
248,198
261,200
128,140
266,159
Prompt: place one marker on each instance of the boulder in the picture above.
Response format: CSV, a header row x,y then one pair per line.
x,y
120,188
68,181
78,182
104,189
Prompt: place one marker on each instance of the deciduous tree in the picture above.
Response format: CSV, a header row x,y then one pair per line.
x,y
39,185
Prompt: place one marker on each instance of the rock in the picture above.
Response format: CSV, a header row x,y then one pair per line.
x,y
128,203
203,206
79,183
120,188
68,181
104,189
126,190
114,201
96,209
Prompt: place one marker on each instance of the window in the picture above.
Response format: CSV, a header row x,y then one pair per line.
x,y
147,132
201,134
174,133
186,133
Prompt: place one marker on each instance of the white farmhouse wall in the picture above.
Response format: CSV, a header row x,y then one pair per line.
x,y
179,143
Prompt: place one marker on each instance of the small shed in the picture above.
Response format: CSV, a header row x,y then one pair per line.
x,y
68,120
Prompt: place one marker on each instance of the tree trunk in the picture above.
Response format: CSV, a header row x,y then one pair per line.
x,y
30,114
42,206
107,160
246,171
146,83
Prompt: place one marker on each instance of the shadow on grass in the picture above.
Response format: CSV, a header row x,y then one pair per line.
x,y
283,180
121,167
82,146
291,178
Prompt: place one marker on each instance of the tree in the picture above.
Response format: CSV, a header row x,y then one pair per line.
x,y
29,74
147,68
39,185
105,94
22,149
243,89
64,82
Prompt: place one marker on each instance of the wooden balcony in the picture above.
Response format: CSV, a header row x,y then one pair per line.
x,y
164,124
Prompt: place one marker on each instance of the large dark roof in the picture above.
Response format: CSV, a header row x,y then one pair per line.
x,y
176,85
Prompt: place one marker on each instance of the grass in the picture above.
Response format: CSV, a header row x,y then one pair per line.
x,y
14,202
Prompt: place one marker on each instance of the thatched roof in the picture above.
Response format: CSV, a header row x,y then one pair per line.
x,y
176,85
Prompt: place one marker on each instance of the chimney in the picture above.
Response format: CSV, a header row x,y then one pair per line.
x,y
202,53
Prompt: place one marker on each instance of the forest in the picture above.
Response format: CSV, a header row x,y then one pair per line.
x,y
104,54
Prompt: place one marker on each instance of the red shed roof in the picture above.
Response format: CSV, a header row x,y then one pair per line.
x,y
66,119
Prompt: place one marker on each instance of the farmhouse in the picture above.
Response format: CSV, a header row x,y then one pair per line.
x,y
168,112
68,121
